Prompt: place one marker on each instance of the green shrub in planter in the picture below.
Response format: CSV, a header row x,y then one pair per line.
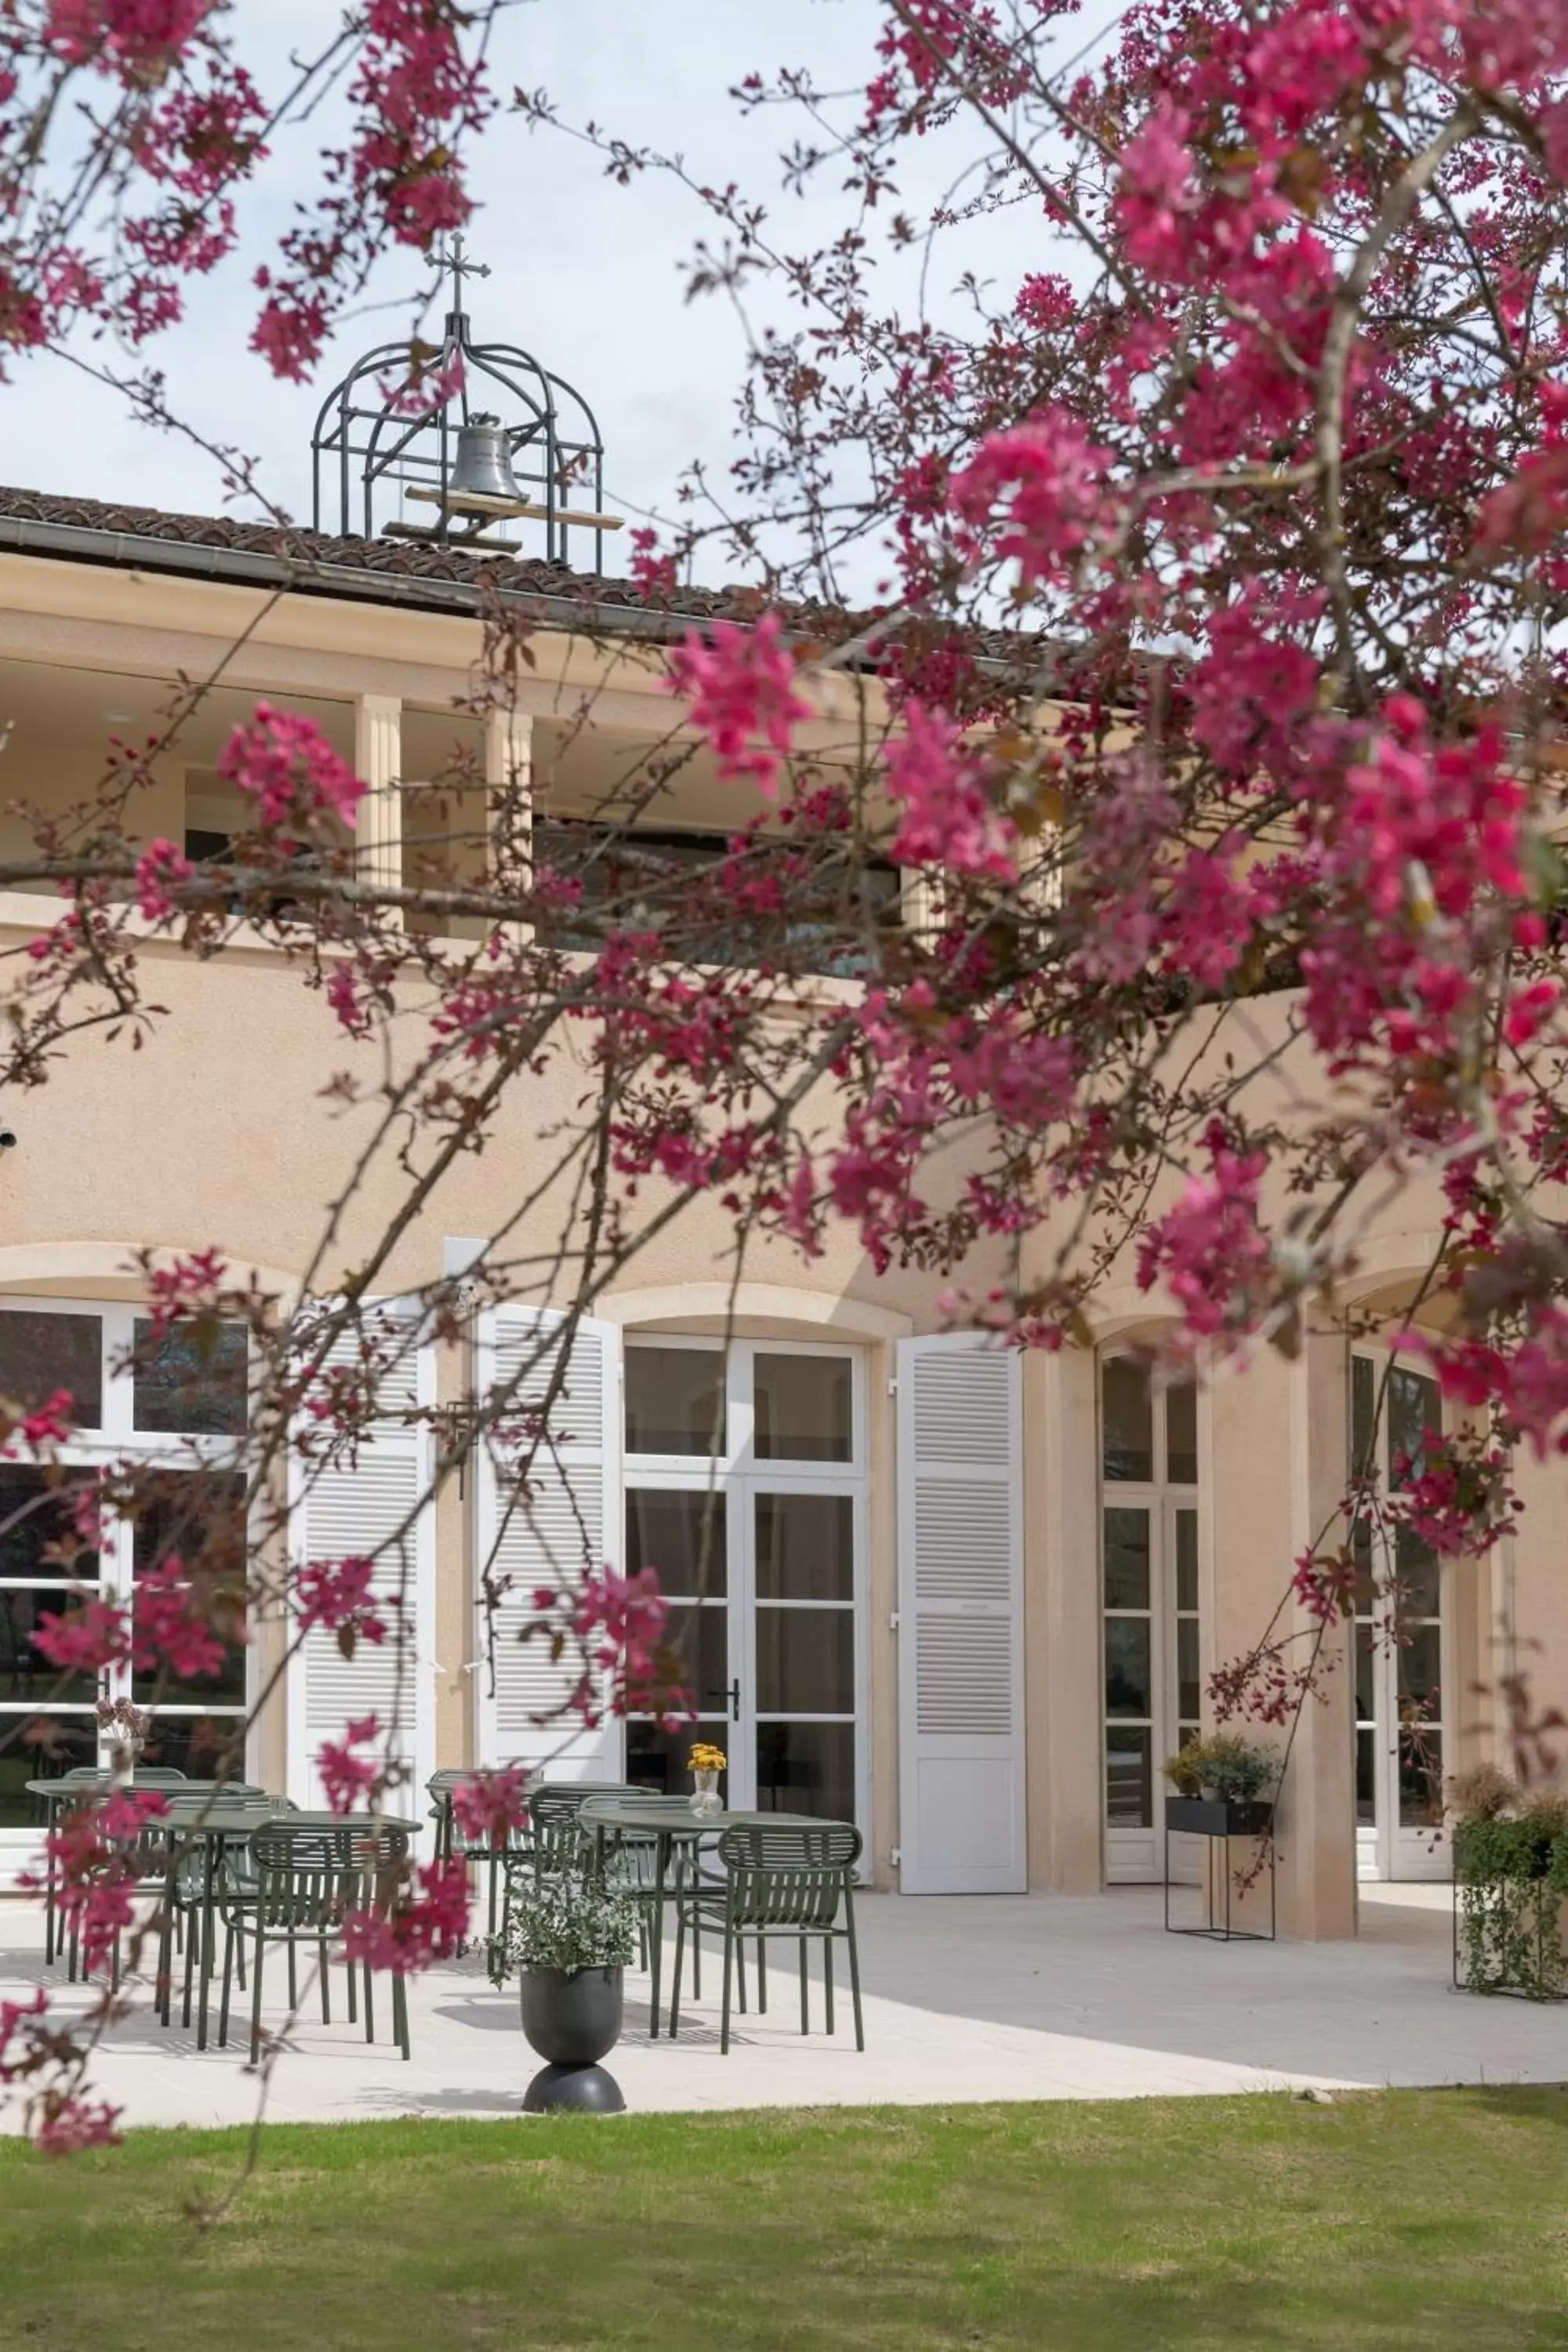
x,y
1511,1879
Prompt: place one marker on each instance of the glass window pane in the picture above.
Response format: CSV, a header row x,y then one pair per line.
x,y
196,1518
1420,1779
1126,1559
26,1676
1419,1573
202,1747
40,1353
1189,1696
73,1741
802,1408
1413,1409
34,1516
657,1760
192,1380
1127,1415
805,1661
1366,1780
806,1548
1181,1433
806,1768
1127,1685
681,1537
1128,1779
1365,1673
1363,1404
1187,1560
698,1638
675,1401
1421,1668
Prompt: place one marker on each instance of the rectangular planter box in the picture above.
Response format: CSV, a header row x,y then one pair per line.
x,y
1205,1817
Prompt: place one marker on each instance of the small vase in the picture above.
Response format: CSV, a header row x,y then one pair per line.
x,y
705,1798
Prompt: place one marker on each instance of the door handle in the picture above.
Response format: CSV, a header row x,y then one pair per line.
x,y
735,1700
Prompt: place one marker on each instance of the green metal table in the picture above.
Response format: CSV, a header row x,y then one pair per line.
x,y
667,1828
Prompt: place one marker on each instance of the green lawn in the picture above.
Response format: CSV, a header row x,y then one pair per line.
x,y
1406,2219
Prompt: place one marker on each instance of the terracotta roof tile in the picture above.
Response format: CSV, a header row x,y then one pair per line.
x,y
404,559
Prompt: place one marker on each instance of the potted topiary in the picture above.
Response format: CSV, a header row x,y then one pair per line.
x,y
1220,1782
568,1941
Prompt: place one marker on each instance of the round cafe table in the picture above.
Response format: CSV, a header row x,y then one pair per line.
x,y
668,1826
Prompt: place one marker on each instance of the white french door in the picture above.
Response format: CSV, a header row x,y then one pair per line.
x,y
745,1490
1403,1637
1152,1646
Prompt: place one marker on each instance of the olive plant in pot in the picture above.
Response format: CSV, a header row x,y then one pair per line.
x,y
568,1942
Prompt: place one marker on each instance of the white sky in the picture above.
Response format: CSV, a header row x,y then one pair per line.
x,y
586,274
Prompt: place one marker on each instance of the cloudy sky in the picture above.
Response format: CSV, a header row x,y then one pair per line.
x,y
586,274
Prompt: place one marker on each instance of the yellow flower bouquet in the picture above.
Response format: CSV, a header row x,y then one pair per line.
x,y
707,1763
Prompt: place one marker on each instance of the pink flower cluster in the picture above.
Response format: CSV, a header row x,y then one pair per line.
x,y
742,692
1210,1249
286,763
348,1776
489,1806
425,1921
339,1595
947,818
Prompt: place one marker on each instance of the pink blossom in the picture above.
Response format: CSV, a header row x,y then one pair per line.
x,y
489,1806
171,1628
1033,494
92,1636
64,2123
425,1921
339,1595
1157,193
740,689
947,818
159,865
345,1776
1210,1249
286,762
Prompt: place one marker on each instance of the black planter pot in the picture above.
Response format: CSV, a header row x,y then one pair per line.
x,y
572,2018
1219,1816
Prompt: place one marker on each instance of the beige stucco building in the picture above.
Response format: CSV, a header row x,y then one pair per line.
x,y
969,1597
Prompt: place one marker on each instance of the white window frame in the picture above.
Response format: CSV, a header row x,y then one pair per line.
x,y
1385,1848
1136,1856
117,1440
739,1477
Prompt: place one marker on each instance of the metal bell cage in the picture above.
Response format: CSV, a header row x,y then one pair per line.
x,y
458,459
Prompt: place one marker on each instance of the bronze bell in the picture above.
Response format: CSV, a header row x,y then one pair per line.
x,y
483,463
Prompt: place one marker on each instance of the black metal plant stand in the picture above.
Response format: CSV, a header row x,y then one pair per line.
x,y
1217,1820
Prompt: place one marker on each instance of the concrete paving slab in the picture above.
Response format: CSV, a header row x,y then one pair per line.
x,y
1033,1997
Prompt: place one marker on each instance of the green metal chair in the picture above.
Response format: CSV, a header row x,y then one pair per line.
x,y
784,1879
306,1881
632,1864
185,1898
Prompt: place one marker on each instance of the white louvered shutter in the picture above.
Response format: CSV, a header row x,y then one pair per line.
x,y
962,1827
378,1504
570,1519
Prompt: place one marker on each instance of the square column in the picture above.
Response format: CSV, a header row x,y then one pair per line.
x,y
1276,1474
378,763
1063,1666
509,786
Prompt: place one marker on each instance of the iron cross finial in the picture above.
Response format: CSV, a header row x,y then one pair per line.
x,y
459,265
